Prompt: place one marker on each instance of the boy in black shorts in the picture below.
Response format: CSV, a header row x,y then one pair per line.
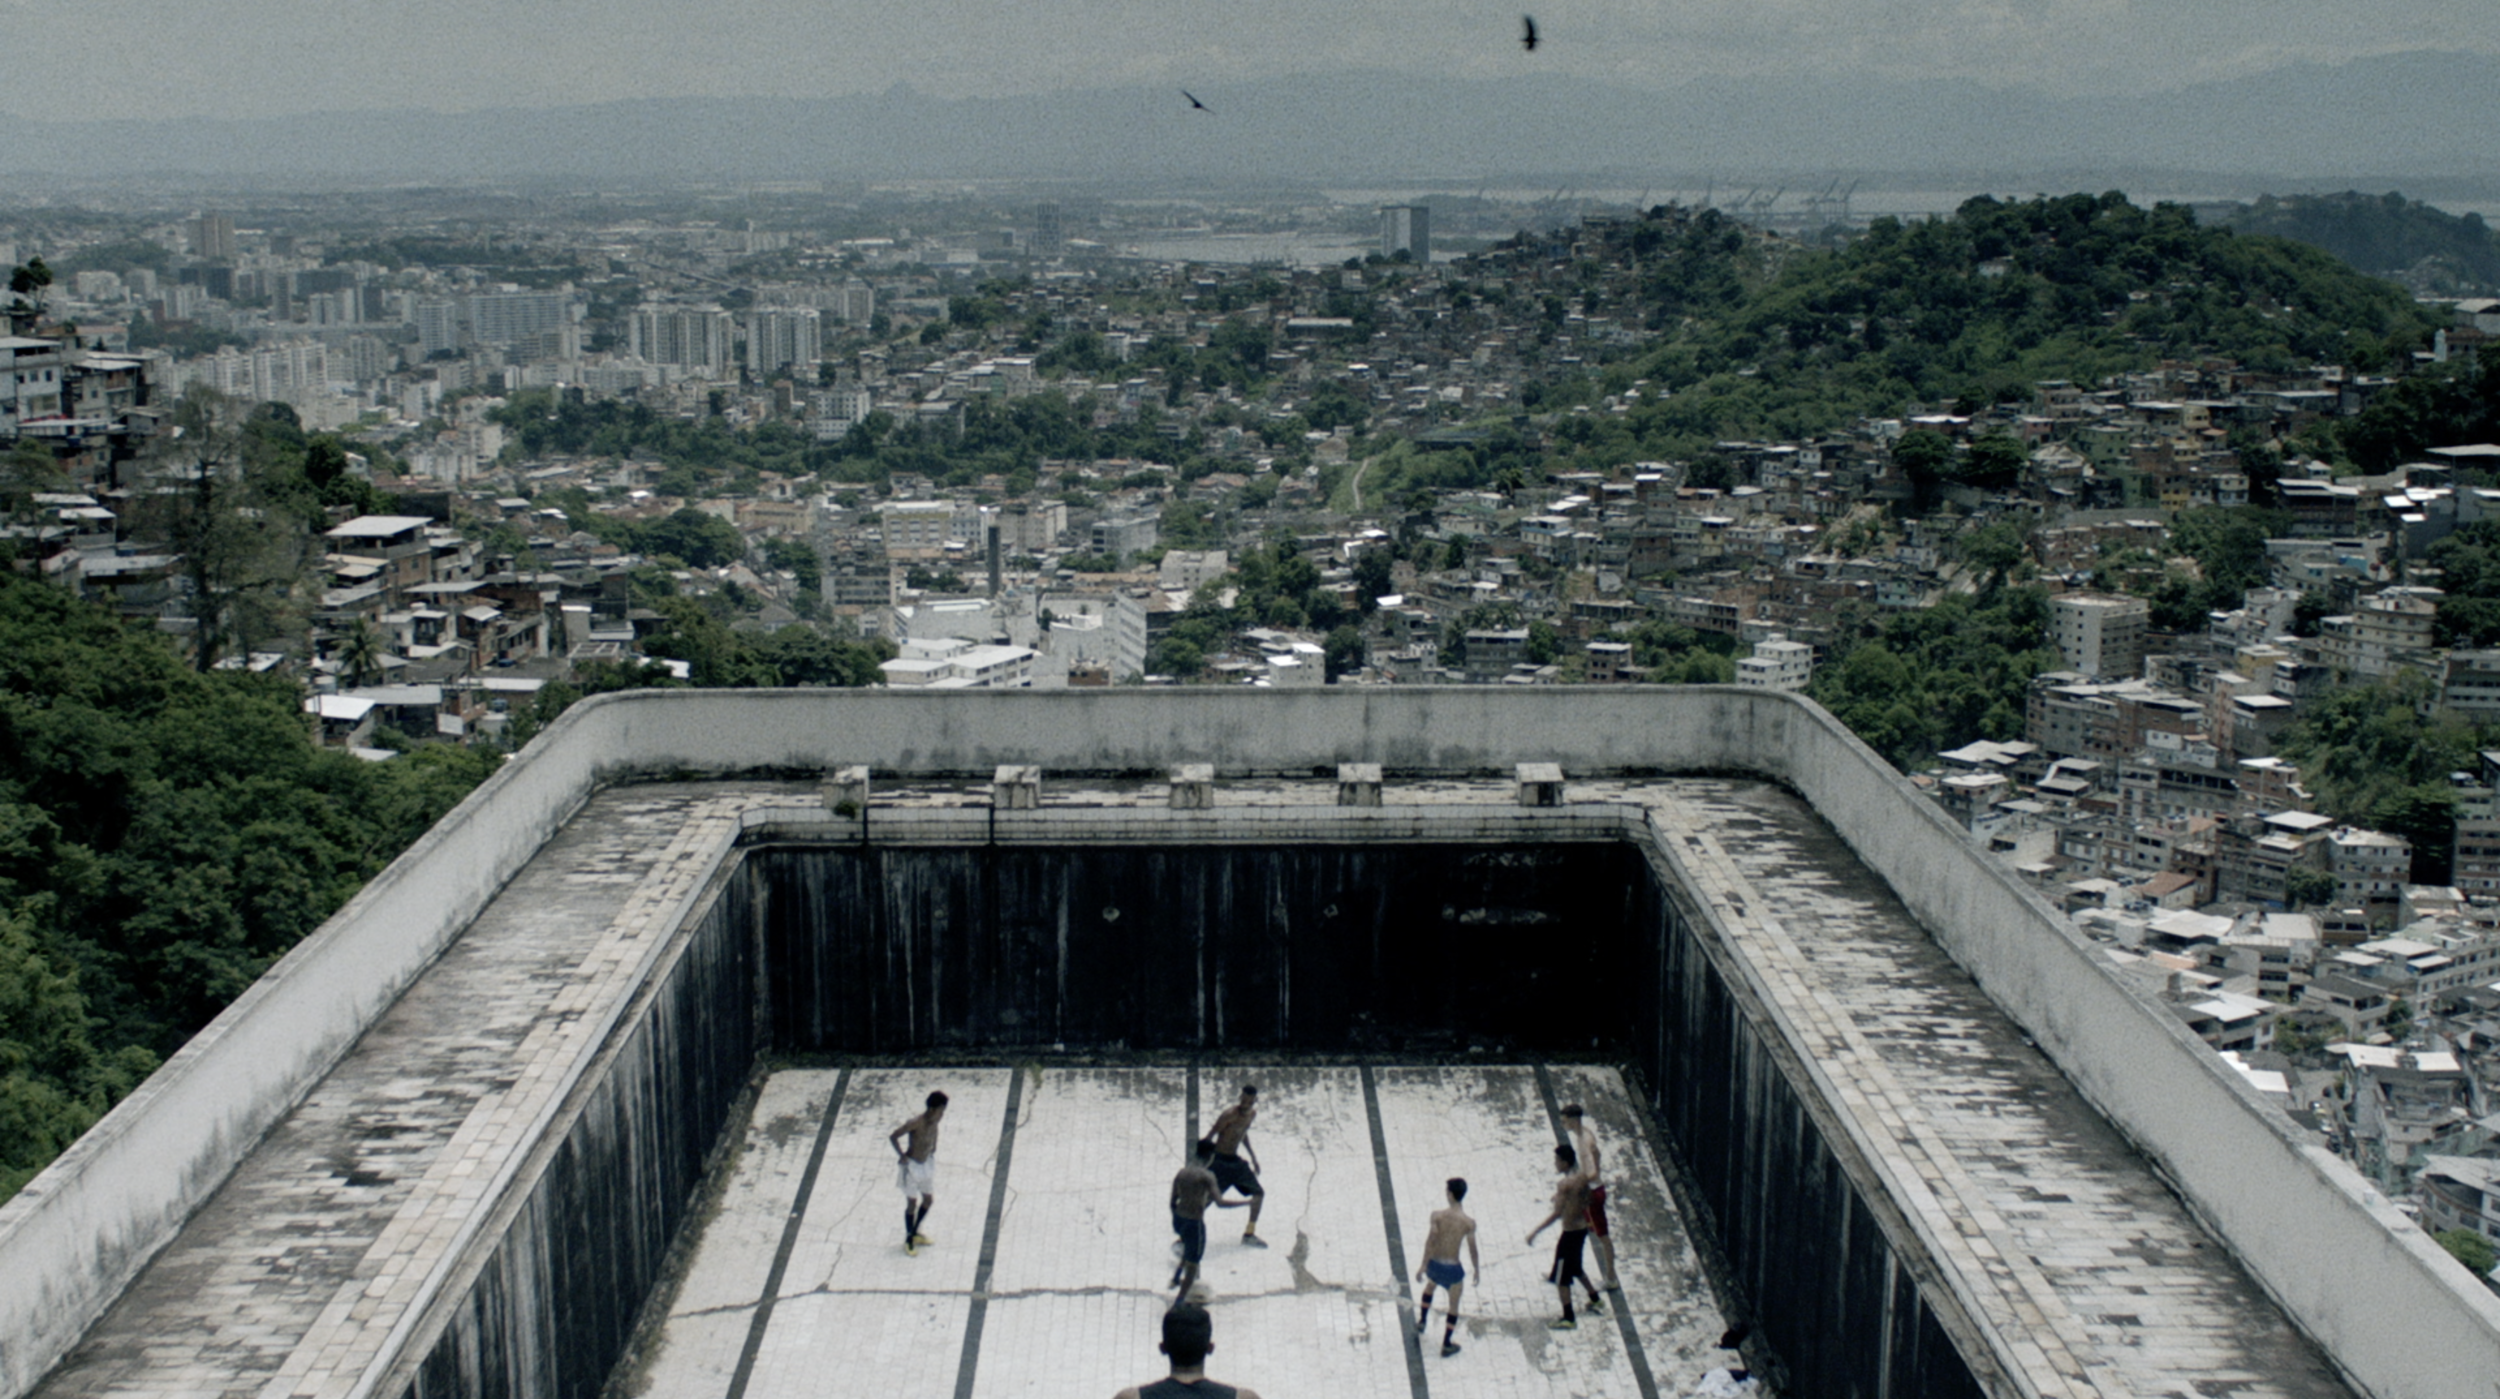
x,y
1571,1200
1193,1190
1231,1134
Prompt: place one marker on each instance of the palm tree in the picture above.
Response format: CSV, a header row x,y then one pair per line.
x,y
360,652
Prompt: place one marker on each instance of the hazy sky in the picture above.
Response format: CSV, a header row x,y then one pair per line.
x,y
165,58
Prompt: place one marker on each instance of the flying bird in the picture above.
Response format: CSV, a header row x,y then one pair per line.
x,y
1194,102
1527,32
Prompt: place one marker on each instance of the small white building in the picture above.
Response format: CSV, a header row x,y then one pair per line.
x,y
951,663
1185,571
2100,636
1297,663
1777,663
2369,866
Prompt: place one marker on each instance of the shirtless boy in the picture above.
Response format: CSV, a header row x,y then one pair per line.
x,y
1441,1240
1571,1202
1193,1190
1575,1123
1231,1134
915,1168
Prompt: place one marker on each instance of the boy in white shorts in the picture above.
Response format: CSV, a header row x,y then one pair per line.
x,y
915,1168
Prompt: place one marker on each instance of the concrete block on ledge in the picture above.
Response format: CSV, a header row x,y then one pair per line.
x,y
1358,784
1016,787
1193,786
1540,784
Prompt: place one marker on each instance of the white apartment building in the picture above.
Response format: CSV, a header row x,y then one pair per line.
x,y
438,326
30,381
1406,228
1302,664
835,411
2427,963
1777,663
2460,1192
951,663
918,529
785,336
282,371
2369,866
2100,636
2470,684
1120,538
2392,629
1185,571
503,318
693,338
1106,629
1030,527
854,303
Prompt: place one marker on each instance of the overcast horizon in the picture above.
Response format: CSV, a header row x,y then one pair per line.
x,y
172,59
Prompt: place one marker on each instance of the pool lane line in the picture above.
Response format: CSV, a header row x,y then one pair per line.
x,y
1622,1309
789,1241
1397,1245
989,1241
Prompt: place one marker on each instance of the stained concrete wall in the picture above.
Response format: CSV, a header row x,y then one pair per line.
x,y
2398,1316
1332,948
1062,934
1833,1271
2401,1318
546,1309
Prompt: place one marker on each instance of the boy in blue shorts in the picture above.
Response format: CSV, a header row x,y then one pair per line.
x,y
1441,1240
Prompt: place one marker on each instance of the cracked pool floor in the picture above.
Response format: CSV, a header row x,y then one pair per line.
x,y
1082,1240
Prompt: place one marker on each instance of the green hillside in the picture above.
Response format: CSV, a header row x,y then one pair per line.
x,y
164,836
1743,336
1978,308
2385,235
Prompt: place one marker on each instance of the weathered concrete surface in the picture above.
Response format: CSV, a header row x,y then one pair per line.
x,y
1971,1149
2397,1315
327,1238
1082,1242
2056,1236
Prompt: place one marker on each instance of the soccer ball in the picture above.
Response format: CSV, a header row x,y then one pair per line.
x,y
1200,1294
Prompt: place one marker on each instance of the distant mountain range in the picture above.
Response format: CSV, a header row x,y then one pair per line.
x,y
2404,116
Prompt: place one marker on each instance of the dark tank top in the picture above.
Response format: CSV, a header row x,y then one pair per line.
x,y
1174,1389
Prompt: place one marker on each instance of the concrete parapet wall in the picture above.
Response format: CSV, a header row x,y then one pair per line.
x,y
544,1298
1782,1178
2400,1317
73,1239
1243,732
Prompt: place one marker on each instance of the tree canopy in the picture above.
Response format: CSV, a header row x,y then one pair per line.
x,y
165,834
1973,309
1915,683
2386,235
